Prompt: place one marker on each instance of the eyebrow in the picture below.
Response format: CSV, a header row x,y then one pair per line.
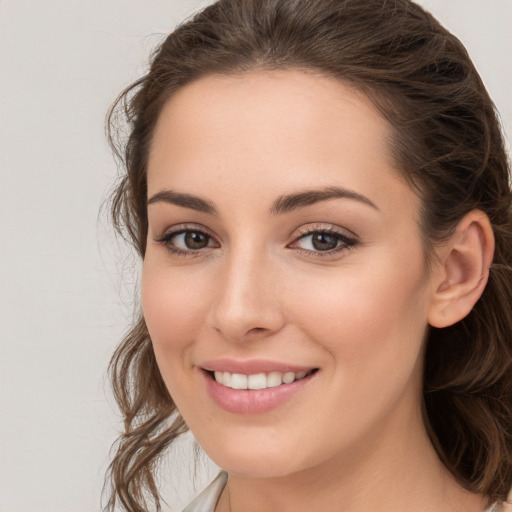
x,y
294,201
282,204
185,200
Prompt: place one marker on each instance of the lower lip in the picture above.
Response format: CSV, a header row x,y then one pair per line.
x,y
253,401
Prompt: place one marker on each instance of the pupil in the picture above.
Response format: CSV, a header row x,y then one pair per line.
x,y
324,242
196,240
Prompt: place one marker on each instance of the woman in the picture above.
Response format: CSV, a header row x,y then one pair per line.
x,y
320,195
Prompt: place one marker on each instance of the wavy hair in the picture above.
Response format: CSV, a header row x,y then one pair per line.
x,y
447,142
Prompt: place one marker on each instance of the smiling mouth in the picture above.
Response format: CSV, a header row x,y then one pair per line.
x,y
258,380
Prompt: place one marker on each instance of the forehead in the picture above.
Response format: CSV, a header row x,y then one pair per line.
x,y
273,99
272,130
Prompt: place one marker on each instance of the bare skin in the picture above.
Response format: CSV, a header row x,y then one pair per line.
x,y
337,285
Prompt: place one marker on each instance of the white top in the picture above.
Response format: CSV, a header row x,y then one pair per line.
x,y
207,500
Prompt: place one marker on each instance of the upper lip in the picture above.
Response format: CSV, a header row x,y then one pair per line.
x,y
252,367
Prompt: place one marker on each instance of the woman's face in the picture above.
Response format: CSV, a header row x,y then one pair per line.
x,y
284,245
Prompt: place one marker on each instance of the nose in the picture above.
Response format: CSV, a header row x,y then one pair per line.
x,y
247,304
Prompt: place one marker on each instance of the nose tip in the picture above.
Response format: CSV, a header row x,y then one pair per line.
x,y
240,320
235,334
246,307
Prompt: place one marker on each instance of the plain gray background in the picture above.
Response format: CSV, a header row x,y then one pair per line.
x,y
66,286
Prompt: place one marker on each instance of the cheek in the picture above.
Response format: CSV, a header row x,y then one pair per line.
x,y
174,303
173,306
368,316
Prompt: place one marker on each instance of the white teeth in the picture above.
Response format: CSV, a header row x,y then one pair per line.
x,y
258,380
238,381
274,379
288,377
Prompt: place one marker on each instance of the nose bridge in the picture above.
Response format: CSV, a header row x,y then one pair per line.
x,y
246,302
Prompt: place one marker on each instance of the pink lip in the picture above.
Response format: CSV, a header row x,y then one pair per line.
x,y
251,367
249,401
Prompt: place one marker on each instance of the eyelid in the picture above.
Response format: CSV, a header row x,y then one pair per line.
x,y
178,229
316,227
348,239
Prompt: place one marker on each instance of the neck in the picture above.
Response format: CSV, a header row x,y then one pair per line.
x,y
395,471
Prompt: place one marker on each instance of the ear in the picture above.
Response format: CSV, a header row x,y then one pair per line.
x,y
462,271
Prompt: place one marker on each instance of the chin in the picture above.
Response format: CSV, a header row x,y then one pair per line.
x,y
258,461
257,467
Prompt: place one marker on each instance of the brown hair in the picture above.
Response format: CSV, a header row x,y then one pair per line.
x,y
447,141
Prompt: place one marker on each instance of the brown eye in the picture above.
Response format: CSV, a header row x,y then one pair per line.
x,y
324,241
185,241
320,242
196,240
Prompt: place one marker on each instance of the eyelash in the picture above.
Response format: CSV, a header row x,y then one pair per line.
x,y
346,242
166,238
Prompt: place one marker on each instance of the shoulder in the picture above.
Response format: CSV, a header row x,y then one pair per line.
x,y
507,507
207,500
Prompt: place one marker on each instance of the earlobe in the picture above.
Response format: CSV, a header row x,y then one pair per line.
x,y
463,270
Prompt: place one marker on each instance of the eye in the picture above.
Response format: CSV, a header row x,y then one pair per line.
x,y
190,240
186,240
317,241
